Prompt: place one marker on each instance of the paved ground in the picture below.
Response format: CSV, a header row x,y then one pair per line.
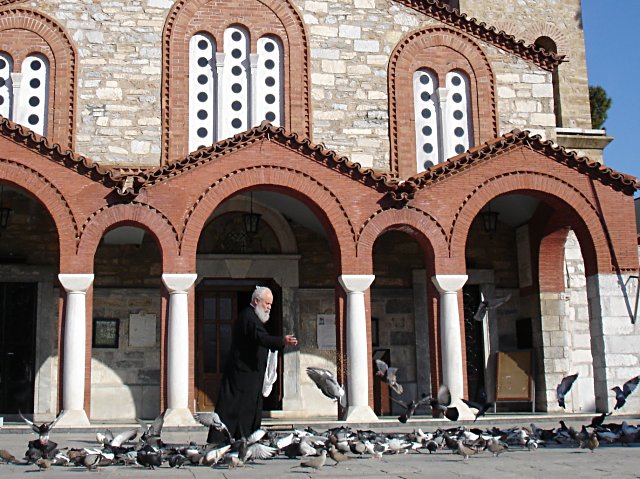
x,y
556,462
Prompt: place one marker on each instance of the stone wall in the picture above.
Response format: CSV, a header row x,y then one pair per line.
x,y
125,382
119,87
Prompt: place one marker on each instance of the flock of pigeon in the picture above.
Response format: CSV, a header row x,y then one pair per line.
x,y
313,448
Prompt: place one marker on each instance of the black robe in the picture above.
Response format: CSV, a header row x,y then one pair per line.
x,y
239,403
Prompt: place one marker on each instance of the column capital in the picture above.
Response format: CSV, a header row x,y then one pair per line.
x,y
449,283
178,282
75,283
355,283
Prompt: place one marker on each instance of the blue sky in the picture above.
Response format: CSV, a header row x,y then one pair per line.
x,y
613,62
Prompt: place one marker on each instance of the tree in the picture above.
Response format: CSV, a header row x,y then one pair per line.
x,y
600,104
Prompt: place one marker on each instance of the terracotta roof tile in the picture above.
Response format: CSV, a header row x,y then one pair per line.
x,y
450,16
41,145
619,181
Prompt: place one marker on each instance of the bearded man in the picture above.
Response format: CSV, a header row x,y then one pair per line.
x,y
239,402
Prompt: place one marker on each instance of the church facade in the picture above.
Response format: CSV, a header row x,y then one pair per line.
x,y
416,181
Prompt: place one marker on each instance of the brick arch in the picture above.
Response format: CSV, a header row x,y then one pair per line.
x,y
543,29
260,17
331,213
132,214
441,50
417,223
558,193
24,31
49,196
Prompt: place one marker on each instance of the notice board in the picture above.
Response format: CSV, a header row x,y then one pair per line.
x,y
514,371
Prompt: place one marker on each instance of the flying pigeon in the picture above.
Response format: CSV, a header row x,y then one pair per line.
x,y
43,429
387,375
328,384
623,394
441,403
487,305
218,432
482,406
563,388
410,407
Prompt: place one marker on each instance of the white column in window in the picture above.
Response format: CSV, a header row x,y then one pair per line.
x,y
202,100
426,119
269,86
254,119
235,107
32,101
219,92
456,114
6,90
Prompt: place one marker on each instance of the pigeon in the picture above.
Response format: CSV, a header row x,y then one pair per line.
x,y
218,432
410,407
328,384
7,457
43,464
316,462
487,305
441,404
465,451
108,439
597,421
387,374
337,456
482,406
564,387
151,433
43,429
495,446
623,394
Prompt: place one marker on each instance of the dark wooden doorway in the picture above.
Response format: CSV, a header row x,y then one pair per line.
x,y
218,302
17,346
474,342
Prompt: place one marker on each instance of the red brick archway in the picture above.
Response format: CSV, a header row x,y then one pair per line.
x,y
331,213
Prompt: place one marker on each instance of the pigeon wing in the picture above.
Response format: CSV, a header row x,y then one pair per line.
x,y
401,403
444,395
566,383
630,385
496,303
481,311
472,404
33,426
325,381
258,450
156,426
123,437
382,367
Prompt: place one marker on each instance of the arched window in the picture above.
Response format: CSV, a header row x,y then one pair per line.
x,y
37,74
6,89
427,113
254,71
32,94
232,91
549,45
441,99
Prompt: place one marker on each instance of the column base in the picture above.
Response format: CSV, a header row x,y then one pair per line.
x,y
179,417
73,418
360,414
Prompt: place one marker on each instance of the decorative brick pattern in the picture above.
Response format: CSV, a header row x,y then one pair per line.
x,y
24,31
441,50
260,17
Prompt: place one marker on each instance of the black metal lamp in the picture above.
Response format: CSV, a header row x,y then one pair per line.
x,y
251,220
5,212
489,220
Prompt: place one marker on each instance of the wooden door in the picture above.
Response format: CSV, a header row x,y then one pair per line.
x,y
216,311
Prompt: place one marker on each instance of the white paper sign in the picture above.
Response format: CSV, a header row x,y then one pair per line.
x,y
142,330
326,331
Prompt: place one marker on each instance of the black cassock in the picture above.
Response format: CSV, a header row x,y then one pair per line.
x,y
239,403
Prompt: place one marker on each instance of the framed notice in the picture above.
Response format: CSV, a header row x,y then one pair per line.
x,y
515,376
106,333
326,331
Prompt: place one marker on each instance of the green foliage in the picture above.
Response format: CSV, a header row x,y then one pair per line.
x,y
600,104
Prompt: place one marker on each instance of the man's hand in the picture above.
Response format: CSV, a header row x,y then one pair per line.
x,y
290,340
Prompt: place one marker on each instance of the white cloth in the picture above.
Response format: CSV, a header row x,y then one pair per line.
x,y
271,373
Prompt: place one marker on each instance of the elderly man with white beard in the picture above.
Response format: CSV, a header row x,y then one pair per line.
x,y
239,402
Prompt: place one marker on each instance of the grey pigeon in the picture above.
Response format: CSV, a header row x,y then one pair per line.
x,y
328,384
487,305
410,407
564,387
623,394
387,374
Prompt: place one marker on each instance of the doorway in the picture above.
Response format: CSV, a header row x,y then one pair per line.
x,y
218,302
18,303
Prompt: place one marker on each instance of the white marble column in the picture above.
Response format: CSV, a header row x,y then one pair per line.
x,y
358,360
451,337
74,349
178,412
